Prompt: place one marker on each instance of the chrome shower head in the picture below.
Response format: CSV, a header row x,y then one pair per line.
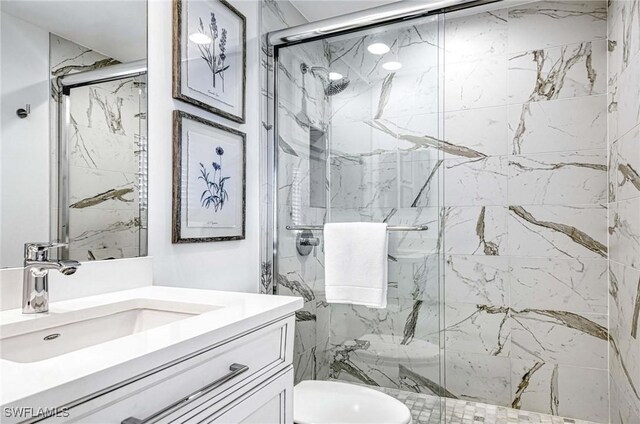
x,y
337,86
332,87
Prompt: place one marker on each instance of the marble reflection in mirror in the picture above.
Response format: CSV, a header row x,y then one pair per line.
x,y
74,170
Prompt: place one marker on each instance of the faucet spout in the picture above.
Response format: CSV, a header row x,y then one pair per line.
x,y
35,277
67,267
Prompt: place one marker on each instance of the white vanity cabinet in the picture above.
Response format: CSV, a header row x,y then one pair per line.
x,y
246,379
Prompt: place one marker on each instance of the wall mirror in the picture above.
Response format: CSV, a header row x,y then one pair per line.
x,y
73,152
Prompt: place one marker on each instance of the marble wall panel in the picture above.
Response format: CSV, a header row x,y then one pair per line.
x,y
562,284
469,37
624,348
559,337
559,389
621,410
477,328
624,162
91,229
472,182
412,244
406,92
472,85
304,366
564,22
558,72
477,280
559,125
479,230
414,276
562,178
624,104
624,93
624,214
544,105
418,44
96,149
478,130
624,232
359,321
558,231
484,378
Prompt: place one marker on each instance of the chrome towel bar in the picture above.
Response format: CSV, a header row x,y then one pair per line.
x,y
389,228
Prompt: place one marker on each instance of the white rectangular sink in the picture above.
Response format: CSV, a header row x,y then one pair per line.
x,y
60,333
107,337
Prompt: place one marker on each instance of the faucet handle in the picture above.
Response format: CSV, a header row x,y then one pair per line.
x,y
39,251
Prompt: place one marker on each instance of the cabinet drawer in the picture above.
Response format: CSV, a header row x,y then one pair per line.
x,y
270,402
263,352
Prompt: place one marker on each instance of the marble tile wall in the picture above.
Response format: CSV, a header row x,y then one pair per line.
x,y
624,209
509,167
106,147
538,84
496,134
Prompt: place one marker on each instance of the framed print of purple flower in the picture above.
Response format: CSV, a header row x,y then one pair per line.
x,y
215,194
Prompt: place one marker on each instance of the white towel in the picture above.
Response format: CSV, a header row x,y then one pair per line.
x,y
355,263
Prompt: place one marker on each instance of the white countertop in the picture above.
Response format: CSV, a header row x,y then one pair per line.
x,y
61,379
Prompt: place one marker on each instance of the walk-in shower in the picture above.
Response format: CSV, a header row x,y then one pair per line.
x,y
485,126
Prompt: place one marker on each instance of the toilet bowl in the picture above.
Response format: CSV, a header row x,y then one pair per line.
x,y
332,402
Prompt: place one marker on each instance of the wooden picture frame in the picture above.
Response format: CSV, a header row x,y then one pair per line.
x,y
209,201
210,57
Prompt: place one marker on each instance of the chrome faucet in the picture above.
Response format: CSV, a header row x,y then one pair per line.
x,y
35,277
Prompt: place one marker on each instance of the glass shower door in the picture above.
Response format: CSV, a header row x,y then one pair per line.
x,y
357,132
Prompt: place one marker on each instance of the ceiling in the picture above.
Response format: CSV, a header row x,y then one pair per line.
x,y
314,10
115,28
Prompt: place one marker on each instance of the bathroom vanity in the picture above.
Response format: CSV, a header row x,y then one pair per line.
x,y
151,354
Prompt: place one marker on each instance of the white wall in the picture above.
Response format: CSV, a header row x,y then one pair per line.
x,y
92,278
229,265
24,211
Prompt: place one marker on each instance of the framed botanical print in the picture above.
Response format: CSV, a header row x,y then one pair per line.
x,y
209,56
209,190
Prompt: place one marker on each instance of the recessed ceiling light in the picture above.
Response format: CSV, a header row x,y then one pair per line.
x,y
378,48
200,38
334,76
392,66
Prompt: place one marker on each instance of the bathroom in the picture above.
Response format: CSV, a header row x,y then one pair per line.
x,y
474,165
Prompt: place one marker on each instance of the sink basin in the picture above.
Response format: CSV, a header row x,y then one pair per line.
x,y
55,334
106,337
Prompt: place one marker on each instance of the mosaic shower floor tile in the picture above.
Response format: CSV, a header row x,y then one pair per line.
x,y
427,409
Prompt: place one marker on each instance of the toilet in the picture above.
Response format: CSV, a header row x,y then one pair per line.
x,y
333,402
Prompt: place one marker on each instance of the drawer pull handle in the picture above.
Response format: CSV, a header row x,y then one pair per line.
x,y
235,370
